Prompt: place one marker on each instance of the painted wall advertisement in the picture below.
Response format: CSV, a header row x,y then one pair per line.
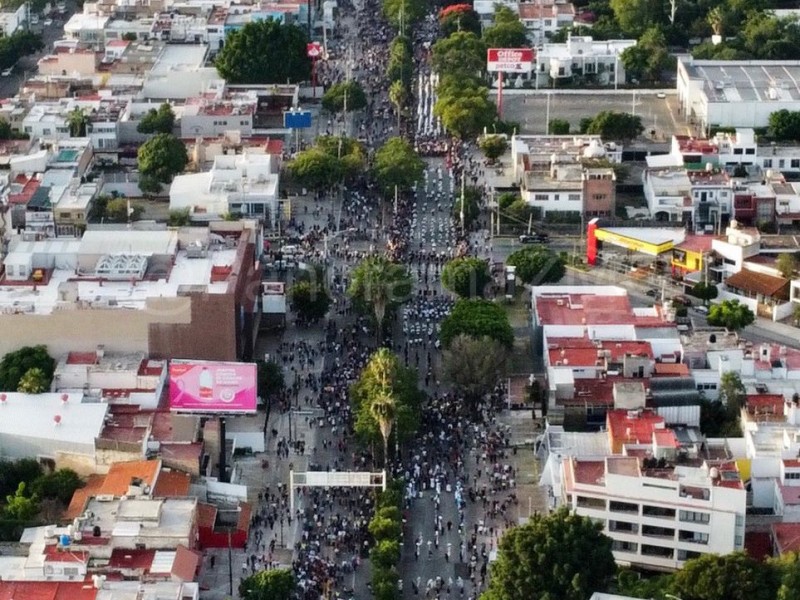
x,y
212,387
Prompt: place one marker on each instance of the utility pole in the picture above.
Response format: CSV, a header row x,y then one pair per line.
x,y
463,184
547,115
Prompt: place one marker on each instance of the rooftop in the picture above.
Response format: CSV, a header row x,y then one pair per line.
x,y
759,283
786,537
46,590
732,81
589,309
61,418
635,427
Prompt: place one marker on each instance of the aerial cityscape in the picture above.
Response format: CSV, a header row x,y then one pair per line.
x,y
398,299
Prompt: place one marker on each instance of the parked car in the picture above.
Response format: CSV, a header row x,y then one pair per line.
x,y
537,238
651,293
701,309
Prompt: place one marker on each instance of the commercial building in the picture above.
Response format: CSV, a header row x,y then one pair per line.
x,y
736,93
191,293
659,511
580,57
542,20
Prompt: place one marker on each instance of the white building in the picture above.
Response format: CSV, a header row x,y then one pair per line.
x,y
542,20
582,56
13,20
659,516
212,118
242,183
736,93
60,427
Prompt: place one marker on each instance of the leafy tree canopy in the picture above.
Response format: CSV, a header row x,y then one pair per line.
x,y
477,318
34,381
507,30
537,265
649,58
474,365
272,584
59,485
378,283
345,93
730,314
493,146
613,125
160,120
404,13
265,51
459,17
461,54
734,576
464,106
15,364
309,300
559,127
466,276
559,556
162,157
397,164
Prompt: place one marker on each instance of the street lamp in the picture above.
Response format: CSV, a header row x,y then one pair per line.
x,y
332,236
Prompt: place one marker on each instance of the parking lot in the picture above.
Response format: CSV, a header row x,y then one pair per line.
x,y
530,110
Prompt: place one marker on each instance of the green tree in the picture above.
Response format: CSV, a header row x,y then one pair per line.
x,y
474,365
558,127
12,473
383,528
162,157
477,318
396,164
463,54
161,120
649,58
401,61
732,392
20,506
349,152
613,125
59,485
464,107
784,125
15,364
559,556
264,51
730,314
348,94
270,379
385,554
493,146
471,206
148,184
179,218
466,276
315,168
537,265
117,211
787,264
733,576
634,16
77,121
398,95
309,300
385,375
458,17
404,13
271,584
34,381
705,291
507,30
379,284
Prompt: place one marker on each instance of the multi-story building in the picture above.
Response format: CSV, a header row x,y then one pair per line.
x,y
581,56
542,20
659,507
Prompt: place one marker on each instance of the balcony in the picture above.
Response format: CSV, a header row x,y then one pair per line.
x,y
658,512
658,532
657,551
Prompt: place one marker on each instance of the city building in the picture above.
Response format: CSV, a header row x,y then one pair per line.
x,y
170,286
580,57
659,509
542,20
736,93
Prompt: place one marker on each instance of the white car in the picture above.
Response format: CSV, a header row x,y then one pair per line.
x,y
8,71
661,95
48,22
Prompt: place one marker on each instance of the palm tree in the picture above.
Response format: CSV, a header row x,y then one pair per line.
x,y
77,121
716,19
383,408
379,283
398,94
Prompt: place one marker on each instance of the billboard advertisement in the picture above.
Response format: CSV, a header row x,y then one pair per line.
x,y
509,60
212,387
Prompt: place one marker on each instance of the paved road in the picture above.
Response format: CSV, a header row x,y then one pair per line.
x,y
27,65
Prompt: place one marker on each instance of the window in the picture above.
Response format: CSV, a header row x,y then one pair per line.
x,y
781,163
693,537
540,197
555,197
623,527
792,476
658,512
598,196
689,516
767,163
574,197
750,151
661,532
619,546
737,151
687,554
71,571
795,163
548,22
658,551
594,503
626,507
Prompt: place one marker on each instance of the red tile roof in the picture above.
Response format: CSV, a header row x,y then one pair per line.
x,y
55,553
129,559
786,537
697,243
82,358
79,498
671,369
633,427
172,484
46,590
589,309
206,515
119,476
186,564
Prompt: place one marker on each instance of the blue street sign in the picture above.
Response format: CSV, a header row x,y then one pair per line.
x,y
297,119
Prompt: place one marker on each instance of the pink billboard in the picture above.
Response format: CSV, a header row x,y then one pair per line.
x,y
212,387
